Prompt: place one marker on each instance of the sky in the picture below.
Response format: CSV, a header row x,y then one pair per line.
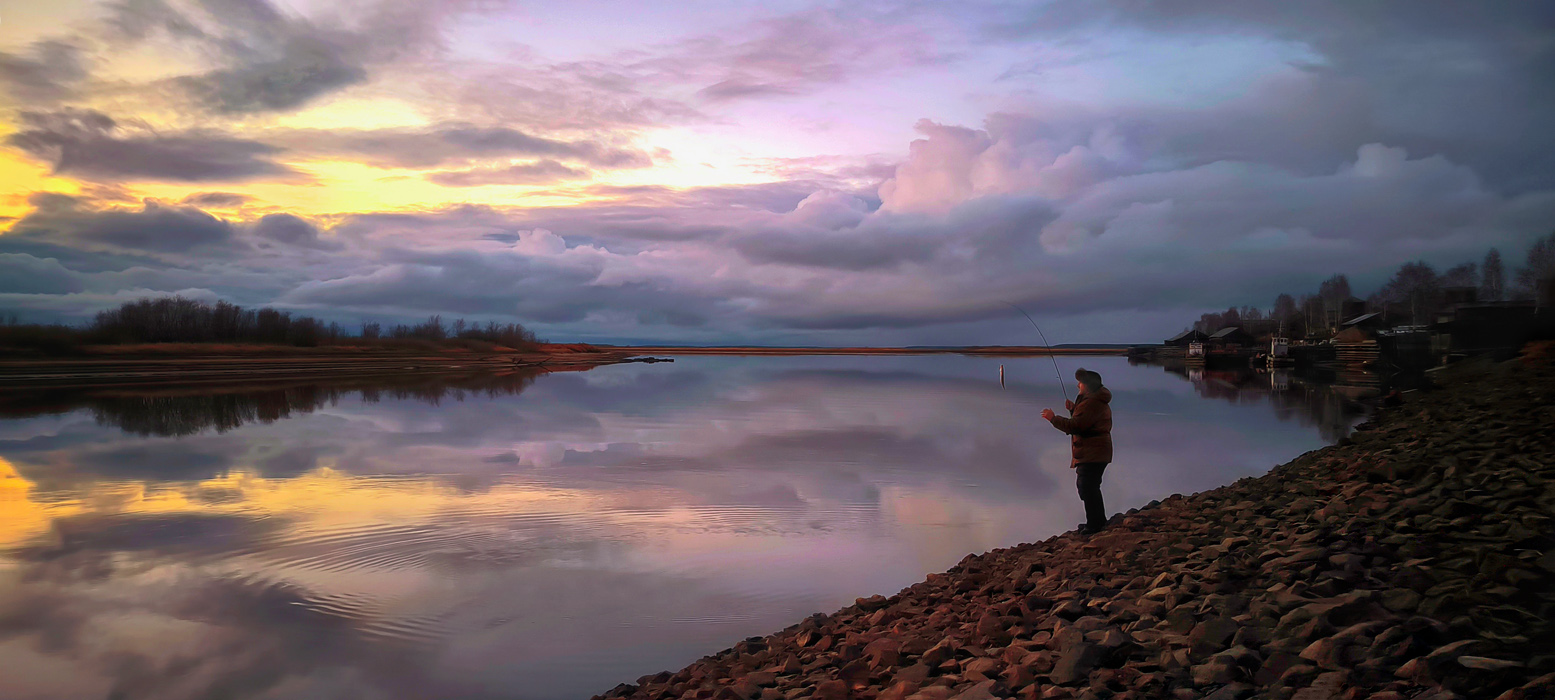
x,y
784,173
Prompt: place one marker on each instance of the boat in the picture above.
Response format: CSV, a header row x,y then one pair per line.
x,y
1279,352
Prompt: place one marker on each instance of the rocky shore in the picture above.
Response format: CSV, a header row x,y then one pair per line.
x,y
1415,560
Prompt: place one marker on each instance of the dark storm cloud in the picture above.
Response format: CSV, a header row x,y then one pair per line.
x,y
538,172
1476,83
93,145
154,227
292,230
453,143
217,199
24,274
47,72
272,61
305,68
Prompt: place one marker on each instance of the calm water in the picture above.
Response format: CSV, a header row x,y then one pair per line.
x,y
548,537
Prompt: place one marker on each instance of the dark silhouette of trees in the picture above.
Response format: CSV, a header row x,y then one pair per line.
x,y
1415,289
1539,267
1463,275
180,320
1492,281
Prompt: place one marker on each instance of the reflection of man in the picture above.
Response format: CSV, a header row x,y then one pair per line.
x,y
1090,429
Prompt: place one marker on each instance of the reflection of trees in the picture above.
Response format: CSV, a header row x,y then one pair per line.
x,y
189,411
1313,403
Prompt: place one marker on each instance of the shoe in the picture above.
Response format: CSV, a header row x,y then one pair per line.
x,y
1084,530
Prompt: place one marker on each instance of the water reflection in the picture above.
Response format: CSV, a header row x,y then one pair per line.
x,y
544,537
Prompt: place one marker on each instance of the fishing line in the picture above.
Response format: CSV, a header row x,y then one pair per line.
x,y
1049,347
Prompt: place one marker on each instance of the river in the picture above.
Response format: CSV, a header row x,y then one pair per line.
x,y
540,537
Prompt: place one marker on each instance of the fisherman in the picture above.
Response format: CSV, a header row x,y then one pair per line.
x,y
1090,429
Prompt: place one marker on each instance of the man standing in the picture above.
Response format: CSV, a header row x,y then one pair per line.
x,y
1090,429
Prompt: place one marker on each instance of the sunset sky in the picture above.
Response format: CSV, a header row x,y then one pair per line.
x,y
707,172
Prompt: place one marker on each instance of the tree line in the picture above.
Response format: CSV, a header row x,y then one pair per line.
x,y
1414,294
181,320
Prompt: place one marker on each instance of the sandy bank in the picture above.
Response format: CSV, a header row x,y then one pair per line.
x,y
149,365
1414,560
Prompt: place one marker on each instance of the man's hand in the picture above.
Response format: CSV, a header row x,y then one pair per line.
x,y
1047,414
1068,405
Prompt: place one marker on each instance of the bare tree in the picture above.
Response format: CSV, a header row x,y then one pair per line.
x,y
1464,275
1416,288
1334,291
1492,281
1540,267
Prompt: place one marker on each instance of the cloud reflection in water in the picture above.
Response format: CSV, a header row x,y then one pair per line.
x,y
544,538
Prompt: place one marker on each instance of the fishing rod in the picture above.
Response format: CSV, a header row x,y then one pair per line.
x,y
1049,347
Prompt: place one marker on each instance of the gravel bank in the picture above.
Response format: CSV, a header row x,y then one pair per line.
x,y
1414,560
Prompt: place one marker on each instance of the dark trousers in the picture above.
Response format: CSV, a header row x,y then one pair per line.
x,y
1088,479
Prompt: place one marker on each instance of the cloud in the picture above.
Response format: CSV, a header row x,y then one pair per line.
x,y
291,230
272,61
303,68
452,143
154,227
25,274
217,199
91,144
537,172
48,72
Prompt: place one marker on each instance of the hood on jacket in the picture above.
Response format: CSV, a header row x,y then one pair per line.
x,y
1103,395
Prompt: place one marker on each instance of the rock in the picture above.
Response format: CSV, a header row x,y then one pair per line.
x,y
981,691
882,653
980,669
1275,666
1484,664
899,690
1212,635
1234,691
831,690
872,603
1450,652
915,674
1400,600
937,692
1214,673
1326,652
1326,686
1075,663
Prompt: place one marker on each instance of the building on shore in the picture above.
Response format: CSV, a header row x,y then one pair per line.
x,y
1181,340
1231,338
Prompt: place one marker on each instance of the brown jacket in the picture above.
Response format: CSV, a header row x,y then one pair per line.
x,y
1089,427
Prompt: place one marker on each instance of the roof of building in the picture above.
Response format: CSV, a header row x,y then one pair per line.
x,y
1227,332
1190,333
1363,318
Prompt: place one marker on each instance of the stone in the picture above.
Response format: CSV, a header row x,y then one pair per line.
x,y
936,692
1275,666
872,603
1400,600
882,653
1481,663
1212,635
898,690
979,669
1234,691
831,690
1075,663
1326,652
981,691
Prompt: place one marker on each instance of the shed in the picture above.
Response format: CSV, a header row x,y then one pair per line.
x,y
1233,336
1182,339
